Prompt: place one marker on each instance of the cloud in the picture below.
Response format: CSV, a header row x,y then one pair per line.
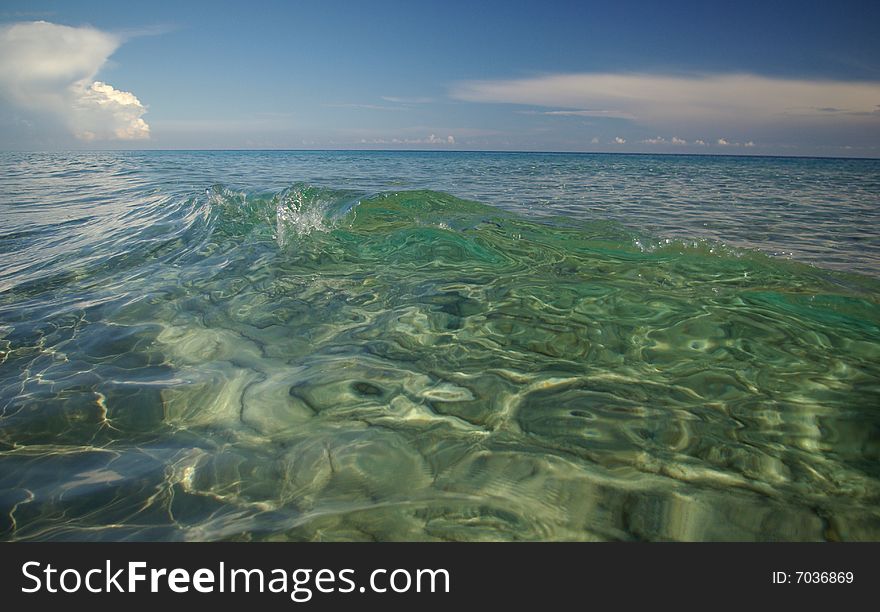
x,y
660,140
619,140
609,114
703,100
377,107
700,142
433,139
48,70
406,100
723,142
595,140
101,102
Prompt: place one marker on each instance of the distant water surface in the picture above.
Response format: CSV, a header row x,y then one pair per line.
x,y
440,346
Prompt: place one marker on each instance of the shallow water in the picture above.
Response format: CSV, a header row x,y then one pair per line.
x,y
391,346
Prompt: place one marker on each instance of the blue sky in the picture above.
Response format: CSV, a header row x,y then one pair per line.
x,y
800,78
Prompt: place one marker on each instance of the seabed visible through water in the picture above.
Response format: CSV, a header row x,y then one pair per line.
x,y
379,360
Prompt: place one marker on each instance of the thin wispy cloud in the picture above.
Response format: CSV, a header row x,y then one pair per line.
x,y
718,100
610,114
19,15
407,100
149,30
375,107
48,72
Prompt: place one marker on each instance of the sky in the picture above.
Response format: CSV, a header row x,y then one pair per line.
x,y
756,78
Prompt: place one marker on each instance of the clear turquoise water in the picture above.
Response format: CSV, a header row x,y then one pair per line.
x,y
442,346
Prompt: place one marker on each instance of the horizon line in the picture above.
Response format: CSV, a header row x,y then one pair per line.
x,y
472,151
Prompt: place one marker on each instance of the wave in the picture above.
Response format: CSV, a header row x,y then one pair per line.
x,y
411,228
430,226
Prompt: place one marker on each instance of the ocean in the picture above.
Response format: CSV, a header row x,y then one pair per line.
x,y
285,345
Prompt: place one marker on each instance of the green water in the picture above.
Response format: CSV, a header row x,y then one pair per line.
x,y
310,364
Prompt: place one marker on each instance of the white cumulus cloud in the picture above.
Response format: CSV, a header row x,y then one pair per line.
x,y
434,139
48,71
619,140
660,140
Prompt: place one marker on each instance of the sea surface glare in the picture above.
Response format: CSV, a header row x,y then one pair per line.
x,y
438,346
